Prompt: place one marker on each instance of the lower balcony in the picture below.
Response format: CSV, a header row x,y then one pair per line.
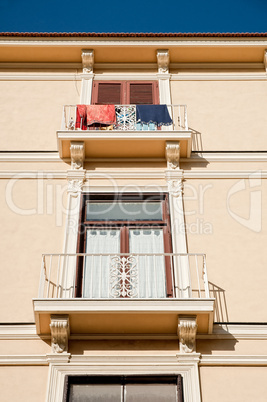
x,y
132,295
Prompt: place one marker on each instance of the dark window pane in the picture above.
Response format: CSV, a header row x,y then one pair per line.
x,y
123,211
151,392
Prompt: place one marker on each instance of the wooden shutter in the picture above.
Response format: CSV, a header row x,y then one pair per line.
x,y
142,93
125,92
107,93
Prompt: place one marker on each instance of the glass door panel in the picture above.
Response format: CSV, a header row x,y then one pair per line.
x,y
151,393
97,267
94,393
151,268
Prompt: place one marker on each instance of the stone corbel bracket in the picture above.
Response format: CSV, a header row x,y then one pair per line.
x,y
60,330
163,58
77,154
265,60
87,60
172,154
187,331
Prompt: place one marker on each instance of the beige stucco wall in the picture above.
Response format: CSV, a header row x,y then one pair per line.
x,y
23,383
31,112
233,384
32,222
235,249
227,115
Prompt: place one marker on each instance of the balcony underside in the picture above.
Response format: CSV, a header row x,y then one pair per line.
x,y
147,317
124,144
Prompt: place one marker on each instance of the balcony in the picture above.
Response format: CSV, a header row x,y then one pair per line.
x,y
129,294
127,138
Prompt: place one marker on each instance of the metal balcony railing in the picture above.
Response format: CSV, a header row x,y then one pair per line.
x,y
126,119
149,276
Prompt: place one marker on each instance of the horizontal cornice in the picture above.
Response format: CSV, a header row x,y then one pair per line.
x,y
181,76
220,332
196,157
157,174
172,360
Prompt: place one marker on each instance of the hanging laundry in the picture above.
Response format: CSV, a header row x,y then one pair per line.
x,y
81,117
157,114
102,114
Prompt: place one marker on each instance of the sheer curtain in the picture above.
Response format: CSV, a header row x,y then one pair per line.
x,y
96,268
151,269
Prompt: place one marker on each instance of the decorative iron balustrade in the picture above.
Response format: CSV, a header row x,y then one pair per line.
x,y
124,276
126,119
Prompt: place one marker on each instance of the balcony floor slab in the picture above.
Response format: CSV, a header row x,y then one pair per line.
x,y
126,144
123,316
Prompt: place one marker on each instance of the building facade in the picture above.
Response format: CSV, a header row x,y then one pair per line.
x,y
133,182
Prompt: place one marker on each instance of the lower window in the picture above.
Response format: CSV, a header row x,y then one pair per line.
x,y
126,239
123,389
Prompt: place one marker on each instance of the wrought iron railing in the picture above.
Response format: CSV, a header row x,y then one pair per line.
x,y
126,119
123,276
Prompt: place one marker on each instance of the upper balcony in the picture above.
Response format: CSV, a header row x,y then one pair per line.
x,y
127,138
124,294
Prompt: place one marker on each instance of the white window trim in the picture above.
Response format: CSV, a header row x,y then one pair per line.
x,y
186,365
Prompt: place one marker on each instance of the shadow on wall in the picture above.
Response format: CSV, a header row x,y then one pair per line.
x,y
220,308
196,140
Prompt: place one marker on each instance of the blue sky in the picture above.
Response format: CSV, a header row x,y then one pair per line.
x,y
133,16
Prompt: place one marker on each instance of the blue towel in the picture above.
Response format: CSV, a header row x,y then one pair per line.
x,y
157,114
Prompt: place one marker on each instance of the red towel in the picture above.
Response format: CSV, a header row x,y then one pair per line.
x,y
103,114
81,116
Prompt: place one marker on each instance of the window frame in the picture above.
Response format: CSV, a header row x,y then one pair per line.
x,y
125,90
123,380
124,226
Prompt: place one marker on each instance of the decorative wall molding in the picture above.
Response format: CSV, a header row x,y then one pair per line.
x,y
221,66
172,154
42,66
237,331
59,333
220,331
224,174
196,157
132,66
182,76
175,187
30,157
87,60
218,77
18,331
163,58
40,77
23,360
33,174
187,330
233,360
77,153
214,42
159,363
175,182
76,179
157,174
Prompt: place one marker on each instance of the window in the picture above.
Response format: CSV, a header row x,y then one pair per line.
x,y
125,92
128,244
123,389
